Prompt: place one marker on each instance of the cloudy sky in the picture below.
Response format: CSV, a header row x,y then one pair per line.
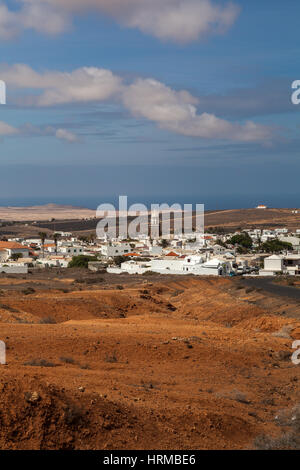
x,y
187,100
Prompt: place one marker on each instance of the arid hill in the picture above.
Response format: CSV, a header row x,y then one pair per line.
x,y
79,220
119,362
258,218
46,212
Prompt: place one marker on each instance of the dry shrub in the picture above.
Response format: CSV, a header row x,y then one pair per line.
x,y
289,440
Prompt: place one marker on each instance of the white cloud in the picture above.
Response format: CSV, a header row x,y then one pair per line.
x,y
68,136
183,21
28,130
176,20
6,129
176,111
150,99
40,16
81,85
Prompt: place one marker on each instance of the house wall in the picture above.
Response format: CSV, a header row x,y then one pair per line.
x,y
134,268
165,264
113,270
14,269
71,250
23,251
116,250
295,241
4,255
273,264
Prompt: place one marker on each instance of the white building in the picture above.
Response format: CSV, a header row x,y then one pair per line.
x,y
54,262
294,241
111,251
13,268
285,264
194,264
7,249
212,267
155,250
71,250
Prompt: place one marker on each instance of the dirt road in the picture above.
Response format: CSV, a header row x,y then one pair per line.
x,y
268,285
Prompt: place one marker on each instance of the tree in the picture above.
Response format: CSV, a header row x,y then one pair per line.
x,y
43,237
243,240
81,261
217,230
16,256
56,237
276,246
164,243
118,260
84,239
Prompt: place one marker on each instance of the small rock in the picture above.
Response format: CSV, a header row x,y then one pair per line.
x,y
282,355
32,397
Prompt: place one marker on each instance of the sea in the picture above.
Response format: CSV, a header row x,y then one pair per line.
x,y
210,202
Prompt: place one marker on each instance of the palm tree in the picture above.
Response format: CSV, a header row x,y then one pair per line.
x,y
56,237
43,237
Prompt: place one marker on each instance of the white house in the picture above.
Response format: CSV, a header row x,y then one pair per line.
x,y
190,265
12,248
295,241
286,264
272,265
167,265
71,250
54,262
212,267
113,250
133,267
155,250
13,268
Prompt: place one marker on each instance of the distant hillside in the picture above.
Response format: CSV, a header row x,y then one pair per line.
x,y
247,218
46,212
67,218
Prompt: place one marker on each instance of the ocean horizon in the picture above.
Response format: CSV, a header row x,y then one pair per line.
x,y
210,202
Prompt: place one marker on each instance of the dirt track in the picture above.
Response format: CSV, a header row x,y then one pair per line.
x,y
274,288
142,363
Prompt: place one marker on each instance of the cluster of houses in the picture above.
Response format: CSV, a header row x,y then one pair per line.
x,y
194,253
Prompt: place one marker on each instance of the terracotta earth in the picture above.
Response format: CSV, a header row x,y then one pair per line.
x,y
106,362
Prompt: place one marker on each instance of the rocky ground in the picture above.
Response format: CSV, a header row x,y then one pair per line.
x,y
97,361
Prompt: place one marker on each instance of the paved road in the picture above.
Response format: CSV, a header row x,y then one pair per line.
x,y
268,285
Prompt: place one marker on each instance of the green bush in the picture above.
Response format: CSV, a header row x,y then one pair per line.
x,y
242,239
81,261
276,246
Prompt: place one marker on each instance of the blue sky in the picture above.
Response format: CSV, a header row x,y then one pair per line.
x,y
110,99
